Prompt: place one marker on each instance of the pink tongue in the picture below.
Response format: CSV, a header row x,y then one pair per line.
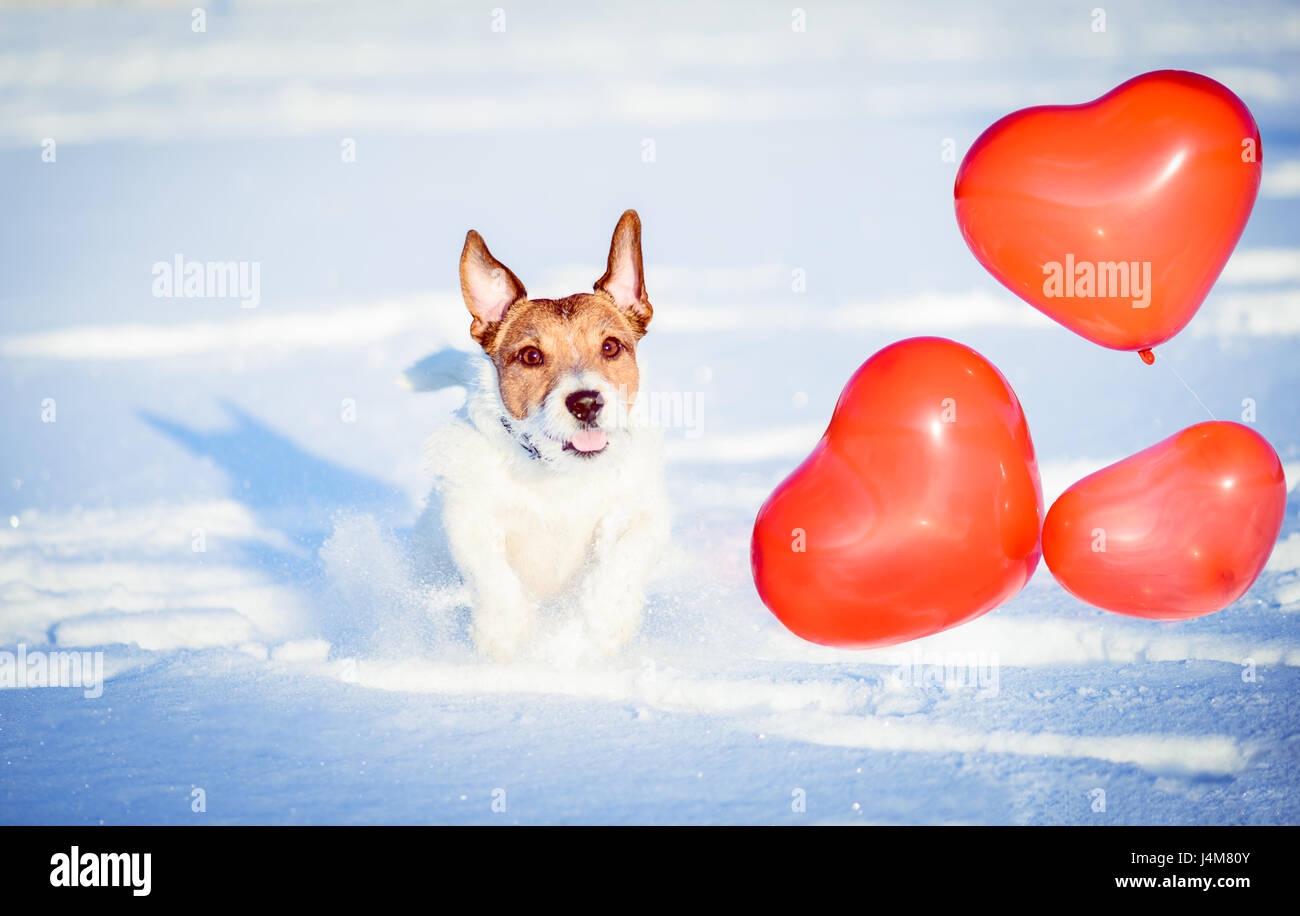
x,y
590,440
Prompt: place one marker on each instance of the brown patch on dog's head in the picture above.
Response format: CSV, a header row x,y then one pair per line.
x,y
535,343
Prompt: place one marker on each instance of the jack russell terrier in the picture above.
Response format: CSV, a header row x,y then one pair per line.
x,y
552,485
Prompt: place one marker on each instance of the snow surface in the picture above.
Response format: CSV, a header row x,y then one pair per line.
x,y
289,669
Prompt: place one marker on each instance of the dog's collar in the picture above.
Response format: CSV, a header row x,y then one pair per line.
x,y
524,442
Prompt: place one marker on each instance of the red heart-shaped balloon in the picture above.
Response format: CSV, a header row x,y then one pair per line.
x,y
1180,529
918,510
1114,217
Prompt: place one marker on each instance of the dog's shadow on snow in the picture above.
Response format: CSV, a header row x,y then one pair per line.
x,y
352,543
288,488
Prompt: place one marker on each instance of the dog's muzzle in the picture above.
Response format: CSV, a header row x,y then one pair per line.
x,y
584,406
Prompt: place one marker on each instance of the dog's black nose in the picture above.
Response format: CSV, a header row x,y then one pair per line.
x,y
584,405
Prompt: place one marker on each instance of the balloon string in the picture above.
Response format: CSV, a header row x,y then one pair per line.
x,y
1189,389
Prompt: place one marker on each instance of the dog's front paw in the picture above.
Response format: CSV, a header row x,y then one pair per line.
x,y
610,640
612,620
500,628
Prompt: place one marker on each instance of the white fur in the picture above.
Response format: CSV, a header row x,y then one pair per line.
x,y
563,531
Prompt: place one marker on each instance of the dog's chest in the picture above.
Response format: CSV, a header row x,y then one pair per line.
x,y
550,535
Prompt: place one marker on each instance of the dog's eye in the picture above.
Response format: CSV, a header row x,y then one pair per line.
x,y
610,348
530,356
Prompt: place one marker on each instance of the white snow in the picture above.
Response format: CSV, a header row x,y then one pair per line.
x,y
255,331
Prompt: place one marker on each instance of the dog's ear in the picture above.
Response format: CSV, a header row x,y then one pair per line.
x,y
624,279
488,286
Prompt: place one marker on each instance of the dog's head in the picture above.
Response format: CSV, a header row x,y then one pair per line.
x,y
566,368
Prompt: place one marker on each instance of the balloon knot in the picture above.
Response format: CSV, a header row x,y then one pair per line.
x,y
1147,356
